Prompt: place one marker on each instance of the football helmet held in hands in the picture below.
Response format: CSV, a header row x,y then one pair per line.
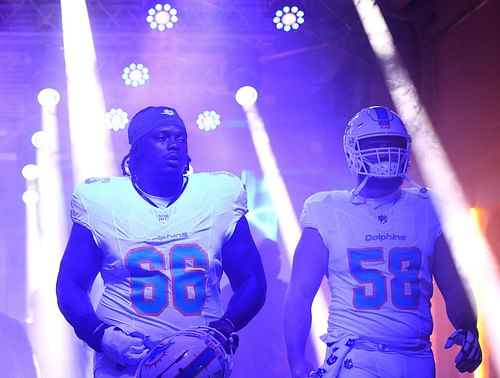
x,y
195,352
377,144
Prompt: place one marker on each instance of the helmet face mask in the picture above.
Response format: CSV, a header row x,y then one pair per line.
x,y
192,352
377,144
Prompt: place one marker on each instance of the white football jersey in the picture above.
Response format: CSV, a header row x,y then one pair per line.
x,y
380,262
162,266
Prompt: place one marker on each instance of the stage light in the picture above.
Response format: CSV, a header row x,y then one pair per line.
x,y
288,18
208,120
135,74
48,97
30,171
162,17
30,196
40,139
116,119
246,95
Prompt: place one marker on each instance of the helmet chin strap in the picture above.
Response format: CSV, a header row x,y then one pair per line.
x,y
357,198
358,188
422,189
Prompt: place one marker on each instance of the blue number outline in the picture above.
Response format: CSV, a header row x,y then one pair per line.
x,y
180,282
374,277
140,279
365,276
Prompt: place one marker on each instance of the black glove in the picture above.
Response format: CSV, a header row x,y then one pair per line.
x,y
470,356
226,328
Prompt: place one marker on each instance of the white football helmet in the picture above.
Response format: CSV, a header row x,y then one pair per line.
x,y
377,144
194,352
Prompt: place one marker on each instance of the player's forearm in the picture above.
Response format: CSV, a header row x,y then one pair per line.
x,y
460,306
246,301
75,305
297,325
460,311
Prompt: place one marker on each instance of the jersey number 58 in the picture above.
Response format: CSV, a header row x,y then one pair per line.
x,y
403,264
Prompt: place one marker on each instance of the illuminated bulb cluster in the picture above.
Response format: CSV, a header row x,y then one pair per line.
x,y
208,120
116,119
288,18
162,17
135,74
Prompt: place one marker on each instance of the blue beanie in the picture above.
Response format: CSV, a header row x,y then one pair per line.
x,y
150,118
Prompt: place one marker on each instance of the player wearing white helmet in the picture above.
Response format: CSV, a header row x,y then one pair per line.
x,y
380,247
160,240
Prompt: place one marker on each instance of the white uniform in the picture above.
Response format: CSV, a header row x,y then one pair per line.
x,y
162,266
379,269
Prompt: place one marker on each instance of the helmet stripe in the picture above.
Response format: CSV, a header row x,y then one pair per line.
x,y
199,363
382,116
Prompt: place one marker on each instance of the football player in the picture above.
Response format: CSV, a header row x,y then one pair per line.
x,y
160,239
380,247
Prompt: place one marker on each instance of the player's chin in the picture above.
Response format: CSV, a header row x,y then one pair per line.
x,y
172,168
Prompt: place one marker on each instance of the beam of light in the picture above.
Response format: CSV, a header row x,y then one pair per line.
x,y
46,230
288,224
33,241
33,257
262,214
471,251
91,146
90,140
484,369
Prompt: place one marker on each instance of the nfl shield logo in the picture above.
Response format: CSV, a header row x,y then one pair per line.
x,y
382,219
163,218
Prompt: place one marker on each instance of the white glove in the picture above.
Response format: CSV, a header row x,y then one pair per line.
x,y
121,348
470,355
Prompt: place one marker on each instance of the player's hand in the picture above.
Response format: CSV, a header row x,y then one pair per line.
x,y
124,349
302,369
226,327
470,356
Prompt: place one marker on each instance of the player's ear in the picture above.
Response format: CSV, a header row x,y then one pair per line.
x,y
187,166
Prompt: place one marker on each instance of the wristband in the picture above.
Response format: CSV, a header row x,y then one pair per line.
x,y
90,329
224,317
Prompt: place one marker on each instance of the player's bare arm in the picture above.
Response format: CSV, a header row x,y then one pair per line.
x,y
309,264
243,266
79,267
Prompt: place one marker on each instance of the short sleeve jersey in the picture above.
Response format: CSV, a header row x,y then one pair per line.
x,y
162,266
379,265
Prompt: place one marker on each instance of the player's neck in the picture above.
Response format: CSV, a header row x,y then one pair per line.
x,y
381,187
164,187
